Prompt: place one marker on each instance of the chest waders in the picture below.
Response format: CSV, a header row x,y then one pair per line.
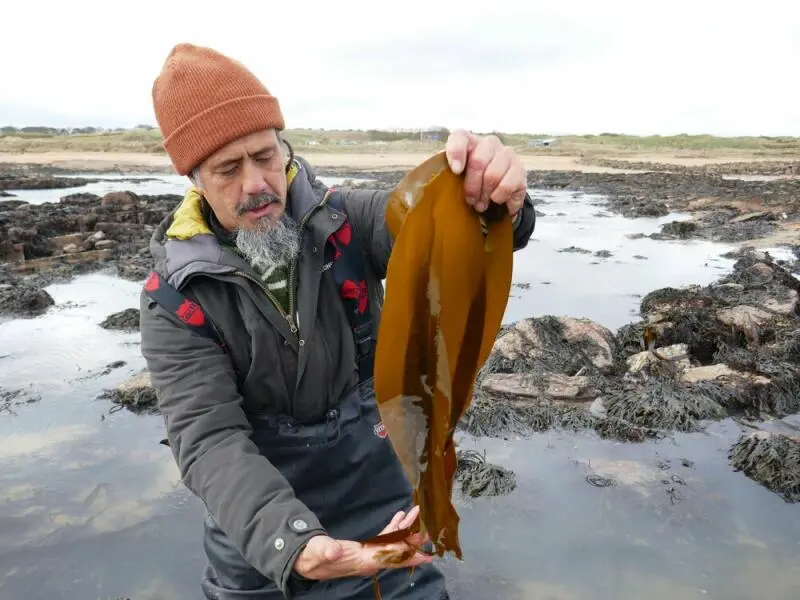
x,y
342,467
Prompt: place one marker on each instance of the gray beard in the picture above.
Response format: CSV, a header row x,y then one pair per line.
x,y
271,243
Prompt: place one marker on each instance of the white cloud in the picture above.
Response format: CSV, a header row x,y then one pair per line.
x,y
574,66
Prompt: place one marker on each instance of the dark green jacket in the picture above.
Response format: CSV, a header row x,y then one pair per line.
x,y
205,395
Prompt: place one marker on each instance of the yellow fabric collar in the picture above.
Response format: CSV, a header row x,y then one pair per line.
x,y
188,220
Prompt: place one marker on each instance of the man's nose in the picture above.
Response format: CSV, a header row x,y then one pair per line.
x,y
254,182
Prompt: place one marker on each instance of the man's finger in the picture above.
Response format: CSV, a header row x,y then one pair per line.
x,y
396,520
394,524
496,172
459,143
511,188
409,518
477,162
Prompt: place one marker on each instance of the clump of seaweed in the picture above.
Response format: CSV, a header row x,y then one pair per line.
x,y
480,478
554,351
771,459
664,403
16,397
733,346
136,395
486,418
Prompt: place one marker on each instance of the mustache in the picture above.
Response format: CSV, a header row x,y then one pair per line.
x,y
257,201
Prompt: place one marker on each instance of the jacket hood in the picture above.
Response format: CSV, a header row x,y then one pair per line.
x,y
183,244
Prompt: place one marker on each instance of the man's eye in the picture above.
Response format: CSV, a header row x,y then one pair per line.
x,y
229,172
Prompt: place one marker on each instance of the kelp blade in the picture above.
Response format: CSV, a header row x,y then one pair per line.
x,y
447,288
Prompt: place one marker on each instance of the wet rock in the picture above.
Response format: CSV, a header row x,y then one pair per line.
x,y
133,270
126,320
65,241
724,374
559,344
771,459
676,230
699,353
752,216
105,245
553,387
22,299
63,266
725,209
669,299
576,250
677,354
81,232
135,394
120,199
744,316
11,252
774,168
9,181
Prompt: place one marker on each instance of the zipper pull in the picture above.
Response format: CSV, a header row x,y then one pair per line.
x,y
291,323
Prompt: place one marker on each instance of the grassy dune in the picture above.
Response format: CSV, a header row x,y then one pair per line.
x,y
313,141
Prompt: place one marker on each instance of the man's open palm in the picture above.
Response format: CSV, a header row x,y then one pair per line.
x,y
326,558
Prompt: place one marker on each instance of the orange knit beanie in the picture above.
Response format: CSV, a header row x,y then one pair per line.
x,y
204,100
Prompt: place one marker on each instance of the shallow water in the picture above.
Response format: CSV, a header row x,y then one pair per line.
x,y
606,290
139,184
91,505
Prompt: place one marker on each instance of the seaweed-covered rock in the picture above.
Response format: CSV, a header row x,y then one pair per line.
x,y
553,344
126,320
771,459
23,299
699,353
480,478
135,394
80,232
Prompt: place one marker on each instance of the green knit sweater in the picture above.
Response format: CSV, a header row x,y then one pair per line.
x,y
276,277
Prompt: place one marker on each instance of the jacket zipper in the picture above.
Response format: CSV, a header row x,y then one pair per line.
x,y
290,318
274,300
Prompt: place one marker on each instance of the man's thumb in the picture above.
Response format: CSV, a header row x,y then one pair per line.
x,y
331,550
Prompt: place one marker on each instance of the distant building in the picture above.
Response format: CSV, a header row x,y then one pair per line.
x,y
547,142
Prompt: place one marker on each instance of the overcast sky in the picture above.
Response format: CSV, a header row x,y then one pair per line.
x,y
554,67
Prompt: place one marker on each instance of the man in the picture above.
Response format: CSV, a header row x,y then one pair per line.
x,y
275,428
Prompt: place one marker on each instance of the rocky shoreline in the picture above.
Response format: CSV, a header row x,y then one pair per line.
x,y
45,243
730,349
762,168
699,354
723,210
40,244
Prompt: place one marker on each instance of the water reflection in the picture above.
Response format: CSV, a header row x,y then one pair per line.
x,y
632,539
92,507
605,289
